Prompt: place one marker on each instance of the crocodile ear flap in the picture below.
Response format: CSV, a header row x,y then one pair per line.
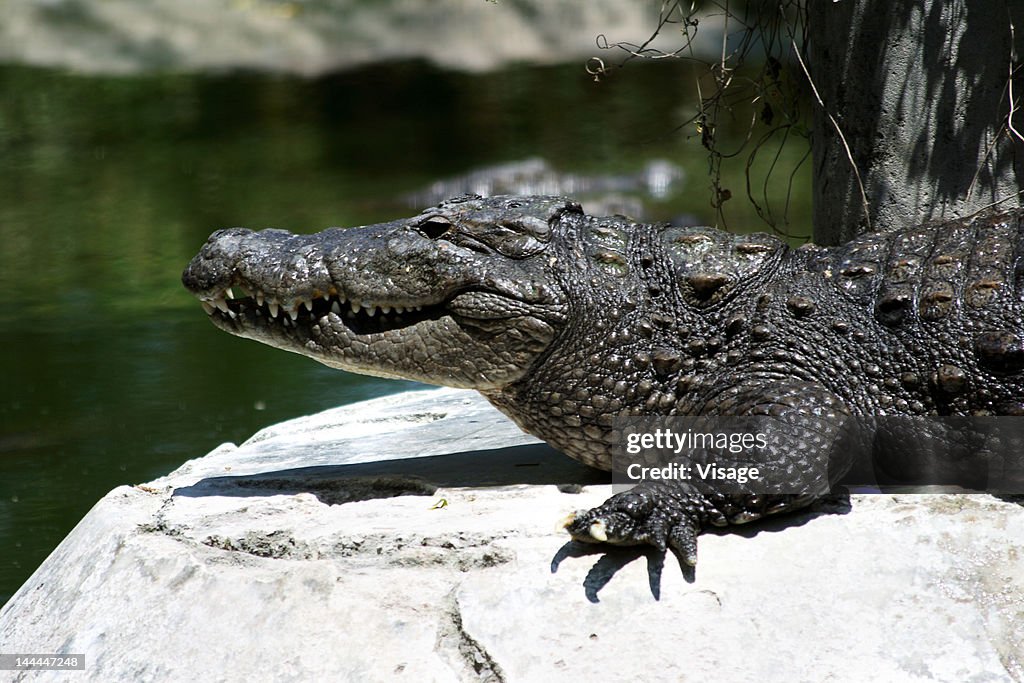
x,y
538,227
519,246
530,225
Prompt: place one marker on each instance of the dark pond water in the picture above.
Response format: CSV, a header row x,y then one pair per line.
x,y
110,373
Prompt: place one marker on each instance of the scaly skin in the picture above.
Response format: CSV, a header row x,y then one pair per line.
x,y
566,321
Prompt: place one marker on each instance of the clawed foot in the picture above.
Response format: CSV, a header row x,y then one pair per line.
x,y
642,517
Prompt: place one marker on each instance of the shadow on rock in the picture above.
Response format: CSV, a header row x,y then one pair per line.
x,y
536,464
613,559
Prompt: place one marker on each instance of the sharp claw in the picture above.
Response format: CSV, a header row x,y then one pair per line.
x,y
684,539
567,521
598,531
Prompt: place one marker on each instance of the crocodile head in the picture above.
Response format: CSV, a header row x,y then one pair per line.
x,y
465,294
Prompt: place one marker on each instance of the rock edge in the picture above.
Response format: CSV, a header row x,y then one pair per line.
x,y
414,537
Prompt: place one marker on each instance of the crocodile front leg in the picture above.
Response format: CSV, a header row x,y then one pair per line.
x,y
812,429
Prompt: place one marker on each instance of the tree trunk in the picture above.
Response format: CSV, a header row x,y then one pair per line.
x,y
920,92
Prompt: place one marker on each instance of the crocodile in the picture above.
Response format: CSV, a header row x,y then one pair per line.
x,y
569,322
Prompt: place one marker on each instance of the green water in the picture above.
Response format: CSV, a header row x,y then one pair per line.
x,y
110,373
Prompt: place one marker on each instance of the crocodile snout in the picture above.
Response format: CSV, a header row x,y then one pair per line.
x,y
211,268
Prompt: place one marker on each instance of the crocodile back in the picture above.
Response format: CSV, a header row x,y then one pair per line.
x,y
948,296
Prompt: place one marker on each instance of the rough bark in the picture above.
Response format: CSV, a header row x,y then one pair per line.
x,y
919,90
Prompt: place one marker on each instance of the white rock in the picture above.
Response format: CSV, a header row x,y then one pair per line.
x,y
238,567
313,38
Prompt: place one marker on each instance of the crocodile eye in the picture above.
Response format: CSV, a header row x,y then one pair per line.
x,y
434,229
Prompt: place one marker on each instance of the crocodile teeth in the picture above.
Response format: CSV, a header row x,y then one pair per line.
x,y
228,294
334,302
208,307
220,303
598,531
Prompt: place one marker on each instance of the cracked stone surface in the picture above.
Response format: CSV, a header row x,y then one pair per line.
x,y
359,544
